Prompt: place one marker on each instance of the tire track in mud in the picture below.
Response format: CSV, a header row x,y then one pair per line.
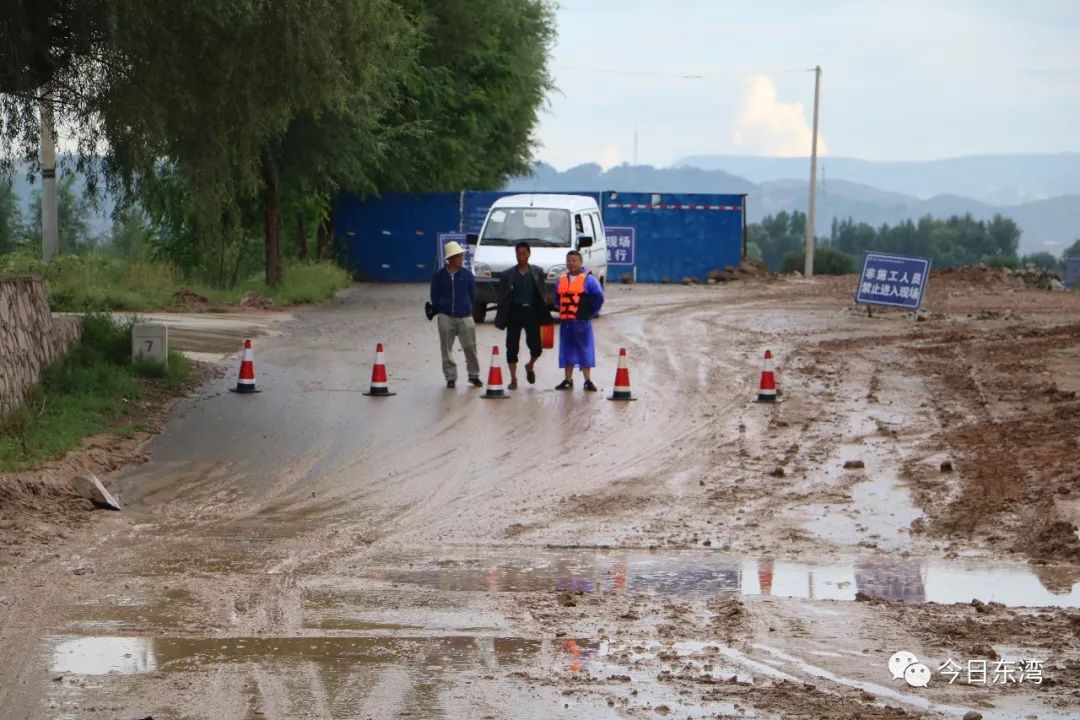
x,y
1010,432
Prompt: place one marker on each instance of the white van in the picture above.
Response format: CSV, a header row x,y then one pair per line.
x,y
552,225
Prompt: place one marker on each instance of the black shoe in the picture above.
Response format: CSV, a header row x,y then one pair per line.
x,y
476,382
565,385
530,375
451,383
512,385
589,387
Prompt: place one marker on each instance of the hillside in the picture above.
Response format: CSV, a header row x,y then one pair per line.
x,y
992,179
1047,224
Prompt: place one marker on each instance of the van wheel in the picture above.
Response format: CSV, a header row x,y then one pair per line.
x,y
479,311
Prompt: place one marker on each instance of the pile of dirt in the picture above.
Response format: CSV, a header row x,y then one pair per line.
x,y
1039,278
190,299
253,299
747,270
979,275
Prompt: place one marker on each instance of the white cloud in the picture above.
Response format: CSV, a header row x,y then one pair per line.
x,y
768,126
609,157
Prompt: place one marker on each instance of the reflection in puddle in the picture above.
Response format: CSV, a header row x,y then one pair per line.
x,y
104,655
703,575
130,655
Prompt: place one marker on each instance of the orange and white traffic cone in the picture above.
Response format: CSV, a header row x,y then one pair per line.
x,y
622,380
495,389
379,385
246,382
767,389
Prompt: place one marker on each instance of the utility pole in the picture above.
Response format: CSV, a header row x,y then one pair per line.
x,y
50,241
808,268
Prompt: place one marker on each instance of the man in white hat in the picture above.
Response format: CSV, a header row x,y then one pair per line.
x,y
453,289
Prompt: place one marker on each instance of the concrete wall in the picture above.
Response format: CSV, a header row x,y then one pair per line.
x,y
30,337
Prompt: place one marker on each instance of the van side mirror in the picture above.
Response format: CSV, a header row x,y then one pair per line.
x,y
471,238
584,241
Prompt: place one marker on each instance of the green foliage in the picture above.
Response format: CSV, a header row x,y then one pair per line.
x,y
87,392
778,235
72,210
175,372
10,218
996,261
956,241
132,235
1071,251
102,282
1043,260
211,112
827,261
308,283
481,78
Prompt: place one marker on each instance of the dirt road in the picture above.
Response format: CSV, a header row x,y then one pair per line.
x,y
309,552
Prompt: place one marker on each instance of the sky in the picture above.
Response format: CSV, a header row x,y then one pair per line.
x,y
901,79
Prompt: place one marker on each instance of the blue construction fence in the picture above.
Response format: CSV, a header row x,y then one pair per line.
x,y
653,237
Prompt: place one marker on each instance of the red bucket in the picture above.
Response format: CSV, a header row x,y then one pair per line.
x,y
547,336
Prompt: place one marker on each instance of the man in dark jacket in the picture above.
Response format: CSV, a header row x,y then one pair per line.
x,y
522,307
453,289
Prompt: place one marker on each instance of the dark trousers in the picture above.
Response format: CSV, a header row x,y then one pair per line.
x,y
522,318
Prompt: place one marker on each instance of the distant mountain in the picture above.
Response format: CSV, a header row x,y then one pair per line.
x,y
1047,225
992,179
632,178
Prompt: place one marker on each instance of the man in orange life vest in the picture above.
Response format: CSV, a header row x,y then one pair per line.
x,y
580,298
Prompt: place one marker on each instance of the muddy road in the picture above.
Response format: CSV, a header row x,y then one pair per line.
x,y
309,552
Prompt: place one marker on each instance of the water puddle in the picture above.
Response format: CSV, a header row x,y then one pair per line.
x,y
141,655
708,574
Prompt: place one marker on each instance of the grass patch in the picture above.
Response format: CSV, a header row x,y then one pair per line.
x,y
96,387
309,283
100,282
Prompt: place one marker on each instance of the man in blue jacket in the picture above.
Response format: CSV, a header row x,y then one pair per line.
x,y
453,289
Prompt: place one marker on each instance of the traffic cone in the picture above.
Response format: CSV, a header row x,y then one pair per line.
x,y
767,390
379,386
622,380
495,389
246,382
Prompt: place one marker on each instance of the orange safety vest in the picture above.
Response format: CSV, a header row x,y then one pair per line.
x,y
570,292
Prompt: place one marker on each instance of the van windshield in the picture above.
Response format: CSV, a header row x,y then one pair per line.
x,y
540,227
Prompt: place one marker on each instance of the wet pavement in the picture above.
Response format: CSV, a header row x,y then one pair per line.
x,y
702,575
312,552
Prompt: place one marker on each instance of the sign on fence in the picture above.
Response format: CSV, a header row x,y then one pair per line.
x,y
1072,272
457,237
620,245
893,280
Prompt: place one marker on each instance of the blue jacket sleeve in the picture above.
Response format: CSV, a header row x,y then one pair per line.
x,y
593,287
470,289
434,286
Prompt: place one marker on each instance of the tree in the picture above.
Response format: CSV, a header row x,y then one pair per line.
x,y
236,103
777,235
10,218
475,94
1043,260
72,210
1071,251
132,235
827,261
